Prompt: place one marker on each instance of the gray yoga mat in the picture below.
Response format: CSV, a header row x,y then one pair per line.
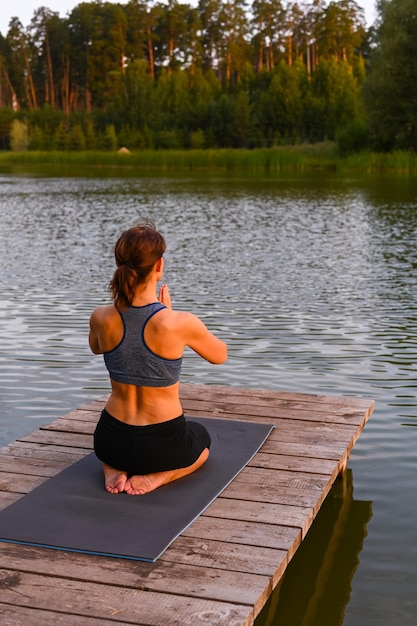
x,y
72,511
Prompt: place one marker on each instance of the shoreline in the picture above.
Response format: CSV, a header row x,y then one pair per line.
x,y
320,157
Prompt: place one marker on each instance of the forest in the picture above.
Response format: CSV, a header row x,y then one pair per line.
x,y
221,74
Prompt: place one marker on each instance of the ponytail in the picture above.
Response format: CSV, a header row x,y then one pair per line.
x,y
136,252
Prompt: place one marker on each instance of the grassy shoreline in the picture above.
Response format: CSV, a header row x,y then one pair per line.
x,y
267,160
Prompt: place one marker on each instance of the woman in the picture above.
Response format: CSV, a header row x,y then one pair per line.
x,y
142,437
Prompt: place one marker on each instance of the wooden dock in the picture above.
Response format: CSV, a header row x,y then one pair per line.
x,y
221,570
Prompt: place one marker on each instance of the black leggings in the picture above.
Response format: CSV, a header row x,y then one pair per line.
x,y
140,450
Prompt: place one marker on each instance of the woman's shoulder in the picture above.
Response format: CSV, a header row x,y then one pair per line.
x,y
104,313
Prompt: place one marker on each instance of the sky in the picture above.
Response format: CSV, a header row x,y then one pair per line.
x,y
24,9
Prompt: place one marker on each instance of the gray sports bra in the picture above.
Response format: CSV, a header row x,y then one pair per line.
x,y
132,361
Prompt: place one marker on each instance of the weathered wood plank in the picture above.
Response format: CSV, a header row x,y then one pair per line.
x,y
23,616
256,485
223,555
196,390
7,498
59,438
247,533
16,484
133,606
78,426
263,512
95,405
164,576
225,409
31,467
294,463
331,451
29,450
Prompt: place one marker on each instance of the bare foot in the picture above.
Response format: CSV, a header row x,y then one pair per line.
x,y
139,485
114,480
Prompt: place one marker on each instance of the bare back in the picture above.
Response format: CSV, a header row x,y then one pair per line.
x,y
166,334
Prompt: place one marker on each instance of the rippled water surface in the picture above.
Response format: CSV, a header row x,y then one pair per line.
x,y
312,282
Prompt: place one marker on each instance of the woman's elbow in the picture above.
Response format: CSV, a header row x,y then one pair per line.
x,y
221,355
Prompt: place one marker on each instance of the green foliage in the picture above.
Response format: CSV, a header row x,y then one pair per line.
x,y
6,119
60,137
241,124
170,75
76,139
36,139
306,157
108,140
197,139
19,136
168,140
355,137
391,89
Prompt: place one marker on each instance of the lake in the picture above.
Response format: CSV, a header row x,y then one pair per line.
x,y
310,279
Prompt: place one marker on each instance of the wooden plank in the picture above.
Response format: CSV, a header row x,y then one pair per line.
x,y
247,533
294,463
7,498
31,467
164,576
193,391
134,606
313,450
226,409
222,555
262,512
79,426
18,615
30,450
96,405
59,438
15,484
264,486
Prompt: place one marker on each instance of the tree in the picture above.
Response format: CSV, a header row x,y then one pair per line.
x,y
342,30
269,23
142,21
21,56
6,121
336,87
19,136
241,128
209,11
234,45
173,34
391,88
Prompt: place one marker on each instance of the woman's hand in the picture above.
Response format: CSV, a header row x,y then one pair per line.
x,y
164,296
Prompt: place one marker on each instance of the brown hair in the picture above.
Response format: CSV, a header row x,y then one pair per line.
x,y
136,252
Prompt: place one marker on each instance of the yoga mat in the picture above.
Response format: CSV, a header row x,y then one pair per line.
x,y
72,511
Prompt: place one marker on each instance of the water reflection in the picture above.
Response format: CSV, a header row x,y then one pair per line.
x,y
316,586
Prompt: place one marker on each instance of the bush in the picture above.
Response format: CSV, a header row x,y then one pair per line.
x,y
60,137
355,137
76,139
108,140
197,139
19,140
36,139
167,140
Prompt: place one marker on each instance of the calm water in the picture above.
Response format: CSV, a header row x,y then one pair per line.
x,y
312,282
